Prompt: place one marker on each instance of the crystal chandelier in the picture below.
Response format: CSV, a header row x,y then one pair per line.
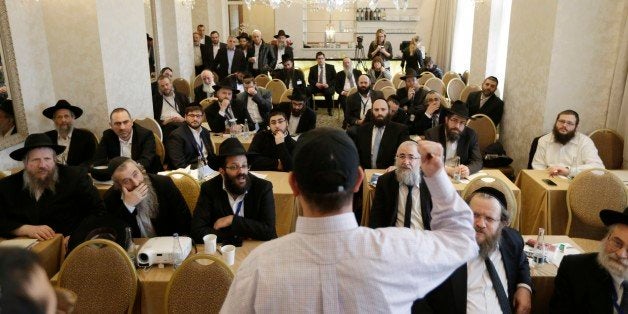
x,y
315,5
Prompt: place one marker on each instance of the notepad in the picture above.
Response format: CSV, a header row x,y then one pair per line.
x,y
21,243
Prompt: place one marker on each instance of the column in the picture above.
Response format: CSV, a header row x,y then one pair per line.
x,y
214,15
174,37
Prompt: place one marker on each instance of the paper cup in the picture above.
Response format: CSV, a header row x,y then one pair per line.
x,y
210,243
228,254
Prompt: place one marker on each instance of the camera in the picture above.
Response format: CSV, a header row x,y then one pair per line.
x,y
359,45
360,39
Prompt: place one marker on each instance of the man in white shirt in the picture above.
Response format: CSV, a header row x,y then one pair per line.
x,y
329,264
498,280
566,151
168,106
257,101
198,53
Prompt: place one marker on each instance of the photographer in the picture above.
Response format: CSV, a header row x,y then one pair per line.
x,y
381,48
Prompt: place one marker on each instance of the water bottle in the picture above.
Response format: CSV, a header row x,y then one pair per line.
x,y
200,167
245,128
129,245
540,248
456,164
177,253
227,126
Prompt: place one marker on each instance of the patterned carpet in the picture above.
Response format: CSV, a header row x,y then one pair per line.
x,y
323,119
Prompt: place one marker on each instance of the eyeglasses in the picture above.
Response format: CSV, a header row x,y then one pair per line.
x,y
280,121
565,122
236,167
411,157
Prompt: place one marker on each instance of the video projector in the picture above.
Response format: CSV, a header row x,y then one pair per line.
x,y
159,250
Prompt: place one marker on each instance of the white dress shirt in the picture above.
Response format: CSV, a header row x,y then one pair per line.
x,y
256,63
198,57
579,151
280,52
235,202
215,49
168,108
331,265
125,146
481,296
253,110
450,150
416,220
293,124
199,141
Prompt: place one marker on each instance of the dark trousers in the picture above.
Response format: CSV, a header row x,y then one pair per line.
x,y
327,92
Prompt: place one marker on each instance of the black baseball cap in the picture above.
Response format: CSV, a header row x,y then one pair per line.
x,y
325,161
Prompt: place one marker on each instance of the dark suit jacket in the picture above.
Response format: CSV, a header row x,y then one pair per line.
x,y
173,217
217,122
269,152
451,295
183,150
199,95
143,149
416,104
422,123
266,59
259,211
468,148
238,64
582,286
493,107
307,120
394,135
384,208
296,76
207,51
82,146
287,51
330,76
263,100
400,117
158,102
74,199
341,77
354,104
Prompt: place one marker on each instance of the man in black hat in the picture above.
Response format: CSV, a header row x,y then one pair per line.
x,y
321,80
293,78
596,282
234,205
230,59
7,119
486,102
281,48
45,198
226,110
458,141
80,144
412,96
498,280
331,264
127,139
150,204
260,55
168,106
191,142
300,117
274,146
358,104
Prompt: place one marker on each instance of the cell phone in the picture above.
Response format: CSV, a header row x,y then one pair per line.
x,y
549,182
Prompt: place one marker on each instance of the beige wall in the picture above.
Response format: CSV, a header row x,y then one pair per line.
x,y
263,18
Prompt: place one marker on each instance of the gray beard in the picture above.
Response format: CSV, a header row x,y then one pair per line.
x,y
348,72
150,203
63,133
208,88
490,244
408,176
36,187
610,265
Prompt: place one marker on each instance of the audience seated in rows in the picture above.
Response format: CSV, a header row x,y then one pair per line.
x,y
80,145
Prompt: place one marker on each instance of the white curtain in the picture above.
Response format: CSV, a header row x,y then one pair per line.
x,y
617,116
441,41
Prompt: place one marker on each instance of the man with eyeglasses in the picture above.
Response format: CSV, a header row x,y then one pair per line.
x,y
596,282
234,205
402,199
274,146
458,141
190,142
300,118
565,151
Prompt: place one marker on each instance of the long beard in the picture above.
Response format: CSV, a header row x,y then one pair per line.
x,y
296,113
451,135
490,243
208,88
408,176
150,203
63,132
233,188
563,138
381,122
37,186
364,90
613,266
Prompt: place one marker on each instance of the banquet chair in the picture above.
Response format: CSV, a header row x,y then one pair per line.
x,y
447,77
425,76
181,86
485,129
276,88
465,77
533,146
436,84
396,78
468,90
610,147
151,124
206,103
160,150
284,96
102,275
490,181
454,89
261,80
381,83
199,285
401,84
388,90
188,186
591,191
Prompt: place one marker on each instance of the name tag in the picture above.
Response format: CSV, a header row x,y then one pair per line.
x,y
299,82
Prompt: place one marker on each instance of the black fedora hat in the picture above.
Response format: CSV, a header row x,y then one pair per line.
x,y
226,85
281,33
7,107
410,73
244,35
610,217
99,226
62,104
298,95
35,140
460,109
287,57
230,147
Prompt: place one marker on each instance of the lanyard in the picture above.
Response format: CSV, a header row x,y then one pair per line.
x,y
364,103
169,104
614,298
200,148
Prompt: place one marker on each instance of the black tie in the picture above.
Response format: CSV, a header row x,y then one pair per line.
x,y
624,297
407,218
499,288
